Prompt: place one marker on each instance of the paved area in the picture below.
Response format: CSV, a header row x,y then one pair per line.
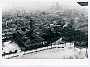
x,y
68,52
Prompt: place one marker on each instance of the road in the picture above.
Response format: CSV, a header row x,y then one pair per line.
x,y
68,52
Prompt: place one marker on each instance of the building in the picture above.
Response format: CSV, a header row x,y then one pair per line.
x,y
57,5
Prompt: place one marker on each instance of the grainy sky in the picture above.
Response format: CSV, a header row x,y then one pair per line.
x,y
35,5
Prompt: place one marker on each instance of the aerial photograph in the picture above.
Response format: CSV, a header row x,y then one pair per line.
x,y
45,30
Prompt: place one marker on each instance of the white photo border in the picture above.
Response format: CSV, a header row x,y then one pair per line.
x,y
84,62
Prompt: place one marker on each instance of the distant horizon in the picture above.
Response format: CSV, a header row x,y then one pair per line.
x,y
35,5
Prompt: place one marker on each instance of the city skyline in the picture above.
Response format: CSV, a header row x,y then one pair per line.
x,y
35,5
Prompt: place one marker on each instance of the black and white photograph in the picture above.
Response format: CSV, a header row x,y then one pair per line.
x,y
45,30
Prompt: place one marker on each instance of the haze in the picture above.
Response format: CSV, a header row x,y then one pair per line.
x,y
35,5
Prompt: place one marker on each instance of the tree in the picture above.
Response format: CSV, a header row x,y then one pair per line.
x,y
82,38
